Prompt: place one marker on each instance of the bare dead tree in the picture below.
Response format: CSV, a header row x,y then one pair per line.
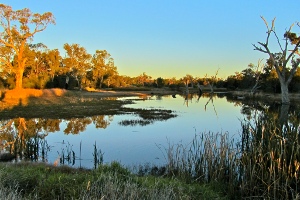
x,y
257,74
281,60
211,81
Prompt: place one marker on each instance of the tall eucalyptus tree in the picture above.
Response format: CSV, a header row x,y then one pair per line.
x,y
77,61
18,29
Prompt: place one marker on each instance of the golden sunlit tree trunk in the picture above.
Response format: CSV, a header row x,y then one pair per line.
x,y
19,27
20,67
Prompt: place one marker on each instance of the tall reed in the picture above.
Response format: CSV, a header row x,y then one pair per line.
x,y
98,156
264,164
208,158
67,155
270,159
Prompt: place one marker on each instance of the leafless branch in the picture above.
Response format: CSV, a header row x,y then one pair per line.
x,y
273,24
259,68
269,30
266,23
279,42
259,48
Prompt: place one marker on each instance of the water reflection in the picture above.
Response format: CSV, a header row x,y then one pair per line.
x,y
25,138
78,125
73,141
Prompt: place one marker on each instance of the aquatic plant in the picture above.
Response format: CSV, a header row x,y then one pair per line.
x,y
98,156
264,164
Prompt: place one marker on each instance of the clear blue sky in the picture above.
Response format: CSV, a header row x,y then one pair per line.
x,y
165,38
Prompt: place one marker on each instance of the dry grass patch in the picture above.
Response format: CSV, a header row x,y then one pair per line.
x,y
11,98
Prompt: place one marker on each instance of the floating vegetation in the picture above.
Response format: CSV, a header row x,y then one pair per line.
x,y
148,116
140,122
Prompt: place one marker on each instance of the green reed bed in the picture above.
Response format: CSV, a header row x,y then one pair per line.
x,y
263,165
209,159
108,181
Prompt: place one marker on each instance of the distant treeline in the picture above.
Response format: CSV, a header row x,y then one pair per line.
x,y
39,74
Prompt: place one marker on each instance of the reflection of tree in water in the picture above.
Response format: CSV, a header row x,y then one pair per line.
x,y
189,97
210,96
50,125
211,99
7,132
77,125
102,121
247,111
20,135
23,137
282,113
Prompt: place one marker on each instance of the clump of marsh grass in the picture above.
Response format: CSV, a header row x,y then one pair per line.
x,y
67,155
208,158
98,156
264,164
270,158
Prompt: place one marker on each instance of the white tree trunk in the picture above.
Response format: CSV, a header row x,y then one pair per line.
x,y
285,99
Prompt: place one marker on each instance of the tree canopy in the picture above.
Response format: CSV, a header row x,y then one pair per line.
x,y
19,28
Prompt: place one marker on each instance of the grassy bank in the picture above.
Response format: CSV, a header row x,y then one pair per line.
x,y
41,181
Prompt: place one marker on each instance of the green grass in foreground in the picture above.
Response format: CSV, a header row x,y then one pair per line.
x,y
42,181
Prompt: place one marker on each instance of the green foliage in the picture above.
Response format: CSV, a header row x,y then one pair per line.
x,y
160,82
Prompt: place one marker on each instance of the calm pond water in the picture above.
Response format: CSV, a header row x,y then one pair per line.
x,y
134,145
